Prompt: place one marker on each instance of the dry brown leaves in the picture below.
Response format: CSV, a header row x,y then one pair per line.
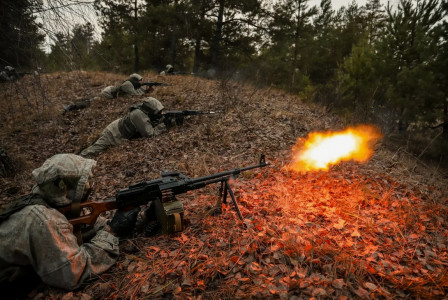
x,y
377,230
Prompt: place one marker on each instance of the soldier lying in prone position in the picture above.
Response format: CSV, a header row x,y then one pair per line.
x,y
37,241
141,121
132,87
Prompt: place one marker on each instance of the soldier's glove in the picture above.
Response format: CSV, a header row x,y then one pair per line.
x,y
169,121
179,120
148,89
123,222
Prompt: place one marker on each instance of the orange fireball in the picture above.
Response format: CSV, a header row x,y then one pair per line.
x,y
323,149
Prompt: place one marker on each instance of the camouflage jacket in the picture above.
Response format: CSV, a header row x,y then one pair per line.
x,y
41,237
128,88
138,124
110,92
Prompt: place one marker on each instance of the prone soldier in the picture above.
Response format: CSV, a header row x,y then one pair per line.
x,y
38,242
142,121
133,86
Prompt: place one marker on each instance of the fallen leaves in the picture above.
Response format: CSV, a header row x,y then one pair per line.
x,y
339,224
352,232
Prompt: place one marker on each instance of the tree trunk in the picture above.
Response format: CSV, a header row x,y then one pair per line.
x,y
197,44
296,43
445,119
173,49
217,36
173,42
136,54
197,51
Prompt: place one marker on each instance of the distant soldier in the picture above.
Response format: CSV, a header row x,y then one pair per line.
x,y
132,86
169,70
8,74
144,120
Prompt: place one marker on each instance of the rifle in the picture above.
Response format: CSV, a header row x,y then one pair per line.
x,y
161,192
82,104
151,84
177,116
177,73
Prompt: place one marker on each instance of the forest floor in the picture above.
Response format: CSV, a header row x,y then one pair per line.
x,y
372,230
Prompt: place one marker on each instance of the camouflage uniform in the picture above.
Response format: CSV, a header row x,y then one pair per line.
x,y
129,87
135,124
110,92
132,86
39,236
169,70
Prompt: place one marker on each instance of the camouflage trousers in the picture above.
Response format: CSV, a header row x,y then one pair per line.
x,y
110,136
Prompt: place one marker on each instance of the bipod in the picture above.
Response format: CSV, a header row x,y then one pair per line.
x,y
226,189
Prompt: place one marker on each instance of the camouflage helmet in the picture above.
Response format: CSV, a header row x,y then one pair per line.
x,y
151,106
63,178
135,76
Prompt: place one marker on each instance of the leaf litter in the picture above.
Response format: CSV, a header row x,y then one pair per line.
x,y
374,230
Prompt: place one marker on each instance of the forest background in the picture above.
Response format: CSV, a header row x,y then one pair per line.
x,y
376,63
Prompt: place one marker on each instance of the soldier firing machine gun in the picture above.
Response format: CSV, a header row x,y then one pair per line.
x,y
162,193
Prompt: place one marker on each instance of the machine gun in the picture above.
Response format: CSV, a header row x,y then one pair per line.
x,y
162,193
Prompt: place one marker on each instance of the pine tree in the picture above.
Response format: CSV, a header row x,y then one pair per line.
x,y
233,34
20,39
119,20
81,44
408,53
290,34
358,82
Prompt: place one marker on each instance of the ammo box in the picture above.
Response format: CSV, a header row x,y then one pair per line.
x,y
170,215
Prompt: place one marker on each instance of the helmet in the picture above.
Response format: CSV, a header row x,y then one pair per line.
x,y
62,178
135,76
151,106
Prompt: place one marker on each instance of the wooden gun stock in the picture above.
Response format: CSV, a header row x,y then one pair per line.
x,y
94,209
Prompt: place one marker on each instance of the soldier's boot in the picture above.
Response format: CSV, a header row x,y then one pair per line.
x,y
6,165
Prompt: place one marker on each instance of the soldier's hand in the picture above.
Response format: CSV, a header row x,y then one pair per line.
x,y
123,222
169,121
179,120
